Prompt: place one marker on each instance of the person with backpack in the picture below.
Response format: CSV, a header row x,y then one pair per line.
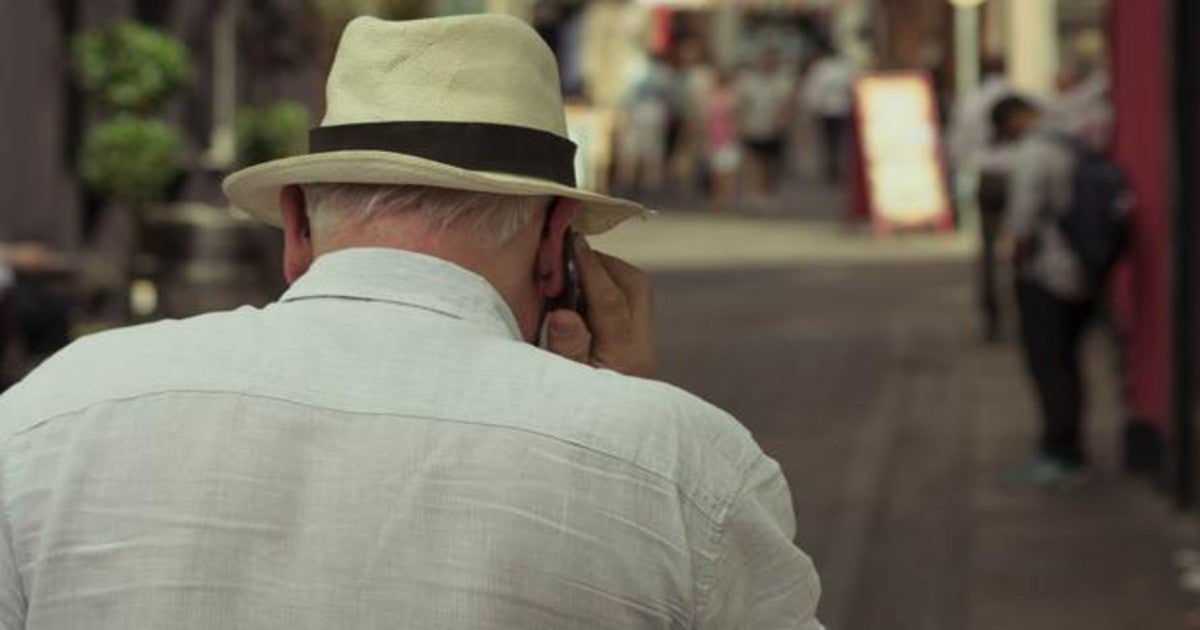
x,y
1067,218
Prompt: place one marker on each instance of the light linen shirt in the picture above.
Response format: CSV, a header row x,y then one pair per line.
x,y
380,449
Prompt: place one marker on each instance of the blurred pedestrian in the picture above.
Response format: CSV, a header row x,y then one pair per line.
x,y
765,109
829,94
1055,181
696,78
1082,107
644,129
387,445
724,152
980,155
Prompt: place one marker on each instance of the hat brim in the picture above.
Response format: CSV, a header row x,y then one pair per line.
x,y
256,189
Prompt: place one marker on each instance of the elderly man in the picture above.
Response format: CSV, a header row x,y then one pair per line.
x,y
386,446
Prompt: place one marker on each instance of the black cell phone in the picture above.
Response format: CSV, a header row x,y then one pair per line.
x,y
571,296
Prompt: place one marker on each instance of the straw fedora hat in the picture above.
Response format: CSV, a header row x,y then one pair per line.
x,y
469,102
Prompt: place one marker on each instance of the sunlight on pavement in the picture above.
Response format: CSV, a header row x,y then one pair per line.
x,y
675,241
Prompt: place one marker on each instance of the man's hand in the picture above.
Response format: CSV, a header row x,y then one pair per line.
x,y
617,333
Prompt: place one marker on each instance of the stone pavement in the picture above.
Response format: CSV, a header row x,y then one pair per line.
x,y
857,365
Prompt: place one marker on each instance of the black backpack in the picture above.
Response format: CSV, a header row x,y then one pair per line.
x,y
1096,223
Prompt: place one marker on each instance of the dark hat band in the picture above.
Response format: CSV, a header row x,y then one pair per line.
x,y
472,146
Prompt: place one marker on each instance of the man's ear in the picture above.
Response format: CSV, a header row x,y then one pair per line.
x,y
550,270
297,234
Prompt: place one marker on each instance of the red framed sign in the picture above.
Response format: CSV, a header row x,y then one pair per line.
x,y
902,168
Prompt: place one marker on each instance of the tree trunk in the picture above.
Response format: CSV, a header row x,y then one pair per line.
x,y
108,262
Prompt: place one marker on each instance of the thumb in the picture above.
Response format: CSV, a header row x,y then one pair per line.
x,y
568,336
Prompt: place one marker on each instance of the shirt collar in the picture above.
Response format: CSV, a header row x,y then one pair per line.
x,y
406,278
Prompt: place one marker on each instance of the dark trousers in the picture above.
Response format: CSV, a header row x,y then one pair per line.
x,y
993,198
833,132
769,152
1052,331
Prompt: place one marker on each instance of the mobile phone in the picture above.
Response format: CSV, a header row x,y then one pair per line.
x,y
571,296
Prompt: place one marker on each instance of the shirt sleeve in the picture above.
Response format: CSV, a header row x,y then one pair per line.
x,y
760,579
12,597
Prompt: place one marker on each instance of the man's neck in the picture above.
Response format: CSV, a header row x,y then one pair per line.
x,y
448,245
501,267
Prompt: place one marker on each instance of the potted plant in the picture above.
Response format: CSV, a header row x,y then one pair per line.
x,y
273,131
131,68
131,157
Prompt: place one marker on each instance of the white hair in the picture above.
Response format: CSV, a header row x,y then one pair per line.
x,y
496,218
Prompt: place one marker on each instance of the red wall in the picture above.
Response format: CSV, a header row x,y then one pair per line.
x,y
1140,94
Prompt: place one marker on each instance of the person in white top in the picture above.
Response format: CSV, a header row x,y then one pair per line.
x,y
387,446
829,95
643,127
976,150
972,137
1083,108
764,111
697,79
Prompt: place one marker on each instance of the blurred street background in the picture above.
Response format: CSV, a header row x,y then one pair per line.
x,y
817,252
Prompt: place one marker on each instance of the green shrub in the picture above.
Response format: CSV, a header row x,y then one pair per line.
x,y
271,132
131,160
129,67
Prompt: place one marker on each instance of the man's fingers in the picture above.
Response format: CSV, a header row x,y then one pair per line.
x,y
608,309
635,284
628,278
618,316
568,336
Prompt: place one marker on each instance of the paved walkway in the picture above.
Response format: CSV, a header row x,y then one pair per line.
x,y
865,380
857,365
804,223
676,240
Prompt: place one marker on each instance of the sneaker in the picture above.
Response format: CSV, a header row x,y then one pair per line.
x,y
1047,472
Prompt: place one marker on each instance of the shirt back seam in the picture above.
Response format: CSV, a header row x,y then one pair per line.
x,y
713,518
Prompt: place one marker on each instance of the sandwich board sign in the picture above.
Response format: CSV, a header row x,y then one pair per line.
x,y
899,151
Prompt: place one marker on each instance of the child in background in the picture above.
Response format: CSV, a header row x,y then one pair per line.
x,y
724,145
